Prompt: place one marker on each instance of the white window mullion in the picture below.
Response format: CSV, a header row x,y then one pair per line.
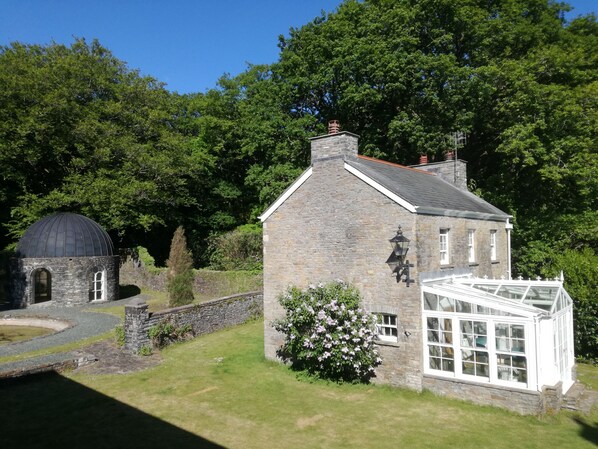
x,y
492,365
457,347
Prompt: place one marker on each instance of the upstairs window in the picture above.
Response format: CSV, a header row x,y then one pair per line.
x,y
471,245
493,245
444,246
387,327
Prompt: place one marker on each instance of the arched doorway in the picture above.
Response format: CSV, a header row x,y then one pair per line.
x,y
42,285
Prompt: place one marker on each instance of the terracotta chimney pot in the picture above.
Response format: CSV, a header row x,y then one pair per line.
x,y
333,127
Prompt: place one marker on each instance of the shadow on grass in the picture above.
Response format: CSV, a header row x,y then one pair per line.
x,y
588,430
50,411
128,291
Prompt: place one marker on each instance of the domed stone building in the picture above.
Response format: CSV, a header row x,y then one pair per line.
x,y
67,259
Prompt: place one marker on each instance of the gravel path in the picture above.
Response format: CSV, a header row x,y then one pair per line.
x,y
84,323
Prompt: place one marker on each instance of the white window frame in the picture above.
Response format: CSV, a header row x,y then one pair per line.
x,y
471,245
510,346
387,327
97,286
444,246
493,252
477,343
446,351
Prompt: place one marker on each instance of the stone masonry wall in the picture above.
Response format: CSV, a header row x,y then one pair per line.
x,y
334,226
427,245
521,401
204,318
70,278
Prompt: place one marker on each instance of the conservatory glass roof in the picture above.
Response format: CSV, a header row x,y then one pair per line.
x,y
495,296
546,295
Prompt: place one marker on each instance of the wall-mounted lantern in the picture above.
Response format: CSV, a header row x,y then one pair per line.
x,y
397,261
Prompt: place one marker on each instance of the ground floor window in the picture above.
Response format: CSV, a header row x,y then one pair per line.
x,y
440,344
96,292
387,327
484,349
474,344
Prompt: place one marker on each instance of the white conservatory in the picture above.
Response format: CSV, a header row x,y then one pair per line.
x,y
511,333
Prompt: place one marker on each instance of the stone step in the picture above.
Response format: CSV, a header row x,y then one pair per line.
x,y
579,398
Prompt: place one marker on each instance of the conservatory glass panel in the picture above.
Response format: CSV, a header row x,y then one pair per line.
x,y
485,288
474,334
510,337
475,363
511,368
482,310
511,291
463,307
446,304
430,301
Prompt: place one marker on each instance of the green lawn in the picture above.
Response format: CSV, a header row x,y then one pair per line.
x,y
10,334
218,390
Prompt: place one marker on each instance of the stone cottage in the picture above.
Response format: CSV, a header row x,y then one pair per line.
x,y
64,259
450,318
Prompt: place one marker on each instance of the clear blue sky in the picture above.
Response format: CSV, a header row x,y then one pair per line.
x,y
188,44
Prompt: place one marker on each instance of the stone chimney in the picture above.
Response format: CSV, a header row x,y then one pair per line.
x,y
336,144
451,170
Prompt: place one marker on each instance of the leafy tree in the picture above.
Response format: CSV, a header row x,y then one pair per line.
x,y
518,80
515,77
99,139
580,269
179,274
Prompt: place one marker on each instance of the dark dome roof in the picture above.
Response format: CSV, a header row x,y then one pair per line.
x,y
65,235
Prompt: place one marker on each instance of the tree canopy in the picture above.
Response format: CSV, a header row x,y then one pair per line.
x,y
81,131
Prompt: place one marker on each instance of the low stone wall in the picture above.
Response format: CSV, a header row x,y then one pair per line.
x,y
203,318
520,401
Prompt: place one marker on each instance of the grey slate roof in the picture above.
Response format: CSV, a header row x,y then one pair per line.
x,y
65,235
427,192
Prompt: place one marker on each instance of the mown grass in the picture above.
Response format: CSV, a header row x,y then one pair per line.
x,y
11,334
218,388
588,374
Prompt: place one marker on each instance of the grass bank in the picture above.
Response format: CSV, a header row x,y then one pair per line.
x,y
218,391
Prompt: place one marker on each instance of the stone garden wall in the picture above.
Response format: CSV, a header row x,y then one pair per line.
x,y
203,318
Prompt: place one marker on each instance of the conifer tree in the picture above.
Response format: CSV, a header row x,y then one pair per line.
x,y
180,270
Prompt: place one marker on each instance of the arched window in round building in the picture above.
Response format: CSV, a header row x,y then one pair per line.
x,y
66,258
97,277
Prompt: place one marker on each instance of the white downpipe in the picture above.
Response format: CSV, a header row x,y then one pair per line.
x,y
508,227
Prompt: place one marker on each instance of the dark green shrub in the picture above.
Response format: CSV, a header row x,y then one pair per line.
x,y
240,249
179,273
167,332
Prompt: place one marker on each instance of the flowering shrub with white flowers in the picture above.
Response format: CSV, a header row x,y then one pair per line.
x,y
327,333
